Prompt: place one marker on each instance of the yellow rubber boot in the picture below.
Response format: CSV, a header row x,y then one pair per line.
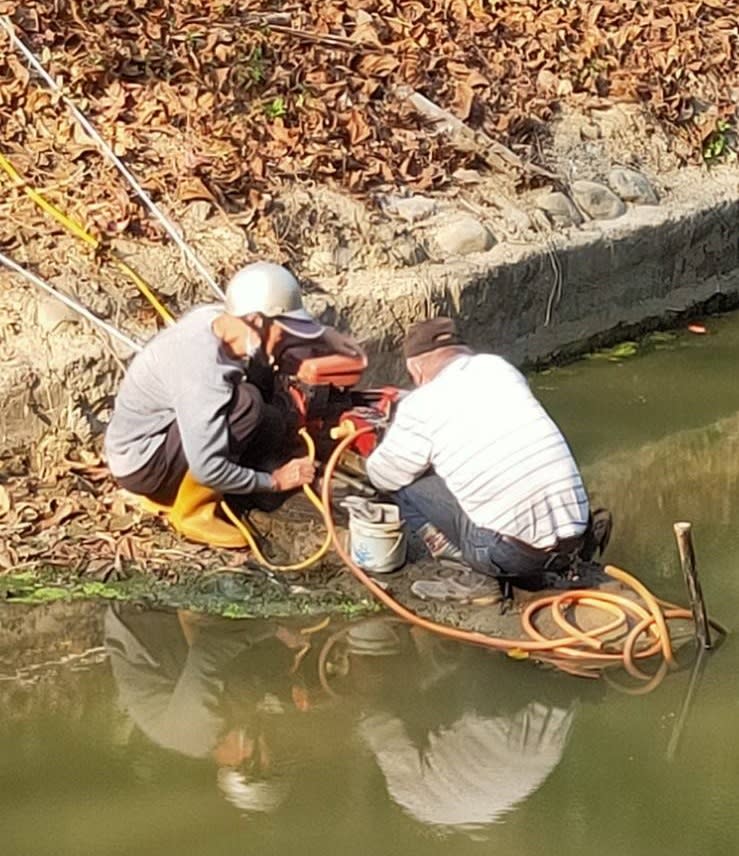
x,y
194,516
153,507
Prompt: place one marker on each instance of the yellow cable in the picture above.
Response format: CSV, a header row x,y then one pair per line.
x,y
79,231
76,229
315,501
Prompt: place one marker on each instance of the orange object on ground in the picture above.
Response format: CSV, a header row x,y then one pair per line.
x,y
582,653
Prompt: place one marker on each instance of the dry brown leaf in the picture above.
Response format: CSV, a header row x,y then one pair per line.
x,y
64,510
464,95
5,501
365,33
121,522
191,188
8,557
358,129
377,66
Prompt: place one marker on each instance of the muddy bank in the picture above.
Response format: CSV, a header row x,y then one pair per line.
x,y
68,533
87,556
534,295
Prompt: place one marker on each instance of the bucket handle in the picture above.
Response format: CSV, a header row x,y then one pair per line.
x,y
398,542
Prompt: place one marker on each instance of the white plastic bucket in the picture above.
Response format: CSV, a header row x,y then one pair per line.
x,y
379,547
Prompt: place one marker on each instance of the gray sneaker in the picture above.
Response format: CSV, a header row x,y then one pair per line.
x,y
464,587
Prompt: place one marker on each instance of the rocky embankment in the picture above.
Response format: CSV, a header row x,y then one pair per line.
x,y
553,175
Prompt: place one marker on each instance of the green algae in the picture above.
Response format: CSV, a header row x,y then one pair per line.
x,y
231,595
616,353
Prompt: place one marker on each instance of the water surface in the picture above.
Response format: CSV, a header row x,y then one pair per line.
x,y
177,733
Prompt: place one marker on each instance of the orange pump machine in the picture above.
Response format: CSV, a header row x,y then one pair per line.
x,y
321,379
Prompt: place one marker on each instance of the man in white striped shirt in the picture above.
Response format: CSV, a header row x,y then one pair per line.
x,y
475,462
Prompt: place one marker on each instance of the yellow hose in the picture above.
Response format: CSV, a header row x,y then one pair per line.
x,y
578,651
554,651
315,501
76,229
79,231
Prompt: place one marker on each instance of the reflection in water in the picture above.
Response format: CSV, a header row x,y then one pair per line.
x,y
462,764
689,475
473,771
205,688
458,740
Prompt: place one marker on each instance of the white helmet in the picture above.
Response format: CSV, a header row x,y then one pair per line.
x,y
272,291
249,796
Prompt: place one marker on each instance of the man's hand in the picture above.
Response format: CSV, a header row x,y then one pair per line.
x,y
294,473
340,343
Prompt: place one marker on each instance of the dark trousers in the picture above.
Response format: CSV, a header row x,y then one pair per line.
x,y
256,439
429,500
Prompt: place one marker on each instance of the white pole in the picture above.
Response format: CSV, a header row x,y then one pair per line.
x,y
167,224
70,302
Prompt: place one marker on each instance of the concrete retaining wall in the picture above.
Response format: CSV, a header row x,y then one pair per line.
x,y
532,301
593,286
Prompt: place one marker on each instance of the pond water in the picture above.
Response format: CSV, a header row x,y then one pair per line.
x,y
126,731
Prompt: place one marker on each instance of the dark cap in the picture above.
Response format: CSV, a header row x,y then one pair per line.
x,y
425,336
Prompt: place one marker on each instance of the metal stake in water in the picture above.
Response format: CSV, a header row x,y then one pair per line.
x,y
684,537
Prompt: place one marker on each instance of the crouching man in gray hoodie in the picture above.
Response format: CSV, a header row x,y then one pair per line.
x,y
189,425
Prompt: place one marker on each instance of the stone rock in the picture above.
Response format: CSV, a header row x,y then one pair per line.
x,y
405,250
515,218
50,313
410,208
590,131
597,201
467,176
560,209
343,257
463,235
632,186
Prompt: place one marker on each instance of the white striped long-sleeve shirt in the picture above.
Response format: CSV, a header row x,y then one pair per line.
x,y
478,425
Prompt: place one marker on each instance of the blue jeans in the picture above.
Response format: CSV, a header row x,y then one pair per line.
x,y
429,500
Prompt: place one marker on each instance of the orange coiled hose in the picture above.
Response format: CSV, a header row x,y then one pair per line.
x,y
583,653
